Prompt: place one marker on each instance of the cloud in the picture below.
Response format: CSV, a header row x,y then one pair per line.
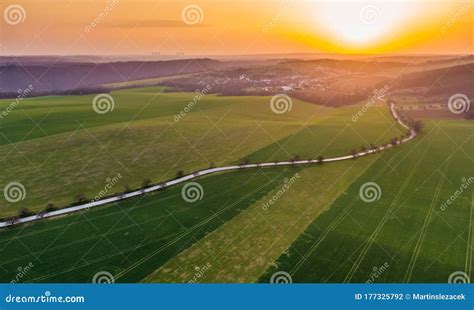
x,y
154,23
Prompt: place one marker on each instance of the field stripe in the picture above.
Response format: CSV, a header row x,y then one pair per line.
x,y
468,264
424,228
386,216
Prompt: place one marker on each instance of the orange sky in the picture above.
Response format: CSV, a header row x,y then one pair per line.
x,y
146,27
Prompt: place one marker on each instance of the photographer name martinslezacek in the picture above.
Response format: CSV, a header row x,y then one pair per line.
x,y
408,296
438,296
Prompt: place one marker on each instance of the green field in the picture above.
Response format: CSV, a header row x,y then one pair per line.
x,y
318,230
58,147
241,249
132,238
406,236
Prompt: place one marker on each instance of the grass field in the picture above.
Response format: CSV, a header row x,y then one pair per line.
x,y
58,147
242,249
406,235
132,238
318,231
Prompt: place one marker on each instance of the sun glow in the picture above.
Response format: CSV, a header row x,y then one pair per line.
x,y
361,24
234,27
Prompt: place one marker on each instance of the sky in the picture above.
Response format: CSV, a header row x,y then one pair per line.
x,y
231,27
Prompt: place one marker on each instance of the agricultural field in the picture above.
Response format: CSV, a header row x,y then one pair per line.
x,y
132,238
310,222
60,149
242,249
407,232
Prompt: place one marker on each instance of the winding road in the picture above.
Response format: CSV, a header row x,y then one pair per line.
x,y
204,172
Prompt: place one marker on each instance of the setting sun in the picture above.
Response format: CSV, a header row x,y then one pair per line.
x,y
360,24
158,28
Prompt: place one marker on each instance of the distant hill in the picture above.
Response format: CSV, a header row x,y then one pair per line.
x,y
60,77
441,82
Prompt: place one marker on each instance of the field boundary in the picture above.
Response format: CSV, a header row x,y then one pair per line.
x,y
200,173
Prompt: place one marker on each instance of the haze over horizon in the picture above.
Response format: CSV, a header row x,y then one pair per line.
x,y
215,28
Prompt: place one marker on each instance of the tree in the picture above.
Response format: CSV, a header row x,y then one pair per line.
x,y
50,207
179,174
320,159
417,126
295,158
245,161
394,141
363,149
146,183
24,212
354,153
80,197
373,147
